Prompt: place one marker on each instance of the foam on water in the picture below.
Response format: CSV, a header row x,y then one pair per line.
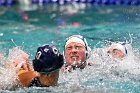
x,y
8,77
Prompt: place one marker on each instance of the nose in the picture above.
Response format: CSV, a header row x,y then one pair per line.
x,y
74,50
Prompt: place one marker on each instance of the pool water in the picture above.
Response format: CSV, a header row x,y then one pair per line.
x,y
52,24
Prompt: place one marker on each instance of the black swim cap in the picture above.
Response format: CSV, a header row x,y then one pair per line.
x,y
47,59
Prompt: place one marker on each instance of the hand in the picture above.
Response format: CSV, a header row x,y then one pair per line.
x,y
27,77
19,59
23,64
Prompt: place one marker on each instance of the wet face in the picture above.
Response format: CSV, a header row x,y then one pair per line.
x,y
115,53
75,53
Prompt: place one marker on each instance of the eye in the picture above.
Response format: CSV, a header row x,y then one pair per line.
x,y
69,48
78,47
108,52
55,50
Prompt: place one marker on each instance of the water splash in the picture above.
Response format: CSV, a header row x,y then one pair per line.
x,y
105,75
8,76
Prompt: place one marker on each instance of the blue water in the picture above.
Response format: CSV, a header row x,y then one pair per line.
x,y
48,26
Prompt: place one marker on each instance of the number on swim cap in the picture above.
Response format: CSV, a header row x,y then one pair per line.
x,y
38,54
46,50
55,51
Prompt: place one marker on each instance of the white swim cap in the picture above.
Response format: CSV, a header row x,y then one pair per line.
x,y
77,39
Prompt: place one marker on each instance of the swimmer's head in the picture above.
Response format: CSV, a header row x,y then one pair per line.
x,y
47,59
47,62
76,49
117,50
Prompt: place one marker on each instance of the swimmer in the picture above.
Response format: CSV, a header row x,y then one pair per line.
x,y
46,66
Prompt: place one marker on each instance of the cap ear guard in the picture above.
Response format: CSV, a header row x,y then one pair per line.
x,y
88,52
123,44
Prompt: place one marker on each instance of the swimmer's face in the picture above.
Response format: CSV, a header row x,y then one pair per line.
x,y
115,53
75,53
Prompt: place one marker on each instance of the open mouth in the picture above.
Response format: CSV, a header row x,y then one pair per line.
x,y
74,58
